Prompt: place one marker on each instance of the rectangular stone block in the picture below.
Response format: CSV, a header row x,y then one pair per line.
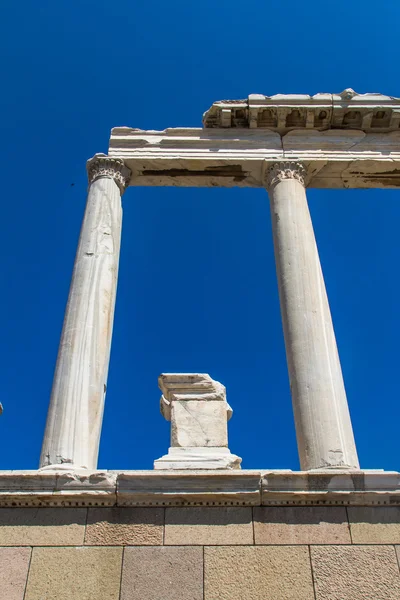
x,y
301,525
374,524
14,564
121,526
355,572
74,574
208,526
42,526
162,573
257,573
196,423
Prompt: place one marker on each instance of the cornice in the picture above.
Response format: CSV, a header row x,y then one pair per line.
x,y
285,112
191,488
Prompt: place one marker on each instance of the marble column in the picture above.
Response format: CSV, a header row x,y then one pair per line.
x,y
74,420
323,426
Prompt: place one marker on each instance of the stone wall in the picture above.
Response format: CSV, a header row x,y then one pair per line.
x,y
200,553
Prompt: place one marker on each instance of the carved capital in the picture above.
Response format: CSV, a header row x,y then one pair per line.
x,y
102,165
284,170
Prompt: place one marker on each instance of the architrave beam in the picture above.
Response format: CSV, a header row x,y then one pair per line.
x,y
196,157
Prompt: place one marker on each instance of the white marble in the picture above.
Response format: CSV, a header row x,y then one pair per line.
x,y
331,487
197,408
189,487
284,112
324,432
198,424
73,487
194,157
199,487
190,386
198,458
342,141
75,414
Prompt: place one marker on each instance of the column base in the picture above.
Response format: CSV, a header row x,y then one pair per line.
x,y
62,467
198,458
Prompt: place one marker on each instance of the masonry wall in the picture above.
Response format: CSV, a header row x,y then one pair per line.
x,y
200,553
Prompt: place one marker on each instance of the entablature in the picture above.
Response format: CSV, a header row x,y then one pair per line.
x,y
284,112
198,157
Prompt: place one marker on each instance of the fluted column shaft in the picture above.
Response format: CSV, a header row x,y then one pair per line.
x,y
323,426
74,421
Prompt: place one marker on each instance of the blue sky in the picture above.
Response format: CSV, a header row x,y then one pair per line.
x,y
197,289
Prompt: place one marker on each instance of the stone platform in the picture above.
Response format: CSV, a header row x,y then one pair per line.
x,y
243,535
246,487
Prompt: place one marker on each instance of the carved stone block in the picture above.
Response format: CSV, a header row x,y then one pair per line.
x,y
197,408
199,424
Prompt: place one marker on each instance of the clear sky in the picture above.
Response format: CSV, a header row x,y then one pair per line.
x,y
197,289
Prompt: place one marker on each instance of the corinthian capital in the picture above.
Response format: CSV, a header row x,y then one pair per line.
x,y
102,165
284,170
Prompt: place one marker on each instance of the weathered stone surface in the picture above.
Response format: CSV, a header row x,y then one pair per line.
x,y
162,573
355,572
42,526
195,487
179,488
14,564
331,486
193,459
74,574
283,112
323,426
208,526
75,414
124,526
301,525
153,156
189,386
197,408
374,524
199,424
397,548
57,488
257,573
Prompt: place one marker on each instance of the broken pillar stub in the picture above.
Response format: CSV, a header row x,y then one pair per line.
x,y
197,408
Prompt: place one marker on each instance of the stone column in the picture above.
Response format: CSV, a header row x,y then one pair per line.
x,y
74,420
323,426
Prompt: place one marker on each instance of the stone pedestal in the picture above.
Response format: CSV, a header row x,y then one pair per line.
x,y
323,426
75,414
197,408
